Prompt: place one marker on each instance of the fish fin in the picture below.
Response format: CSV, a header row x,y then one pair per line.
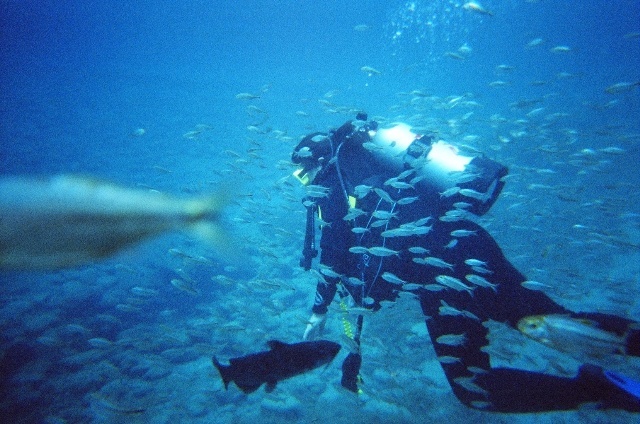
x,y
248,388
220,239
209,226
276,344
224,372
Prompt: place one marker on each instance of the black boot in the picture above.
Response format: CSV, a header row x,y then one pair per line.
x,y
350,371
611,389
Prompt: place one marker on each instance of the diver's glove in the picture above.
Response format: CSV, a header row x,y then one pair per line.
x,y
613,390
315,326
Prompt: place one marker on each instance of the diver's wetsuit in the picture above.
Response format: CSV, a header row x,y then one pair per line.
x,y
498,389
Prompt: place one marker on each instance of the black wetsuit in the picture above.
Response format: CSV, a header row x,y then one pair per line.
x,y
497,389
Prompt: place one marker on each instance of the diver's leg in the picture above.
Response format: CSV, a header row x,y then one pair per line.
x,y
477,385
460,363
467,366
511,302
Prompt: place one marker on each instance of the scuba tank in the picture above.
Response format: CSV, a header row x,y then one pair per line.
x,y
442,175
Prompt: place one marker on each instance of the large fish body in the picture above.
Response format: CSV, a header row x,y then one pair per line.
x,y
572,335
68,220
282,361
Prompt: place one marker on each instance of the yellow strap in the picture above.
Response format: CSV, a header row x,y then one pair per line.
x,y
346,325
352,202
348,331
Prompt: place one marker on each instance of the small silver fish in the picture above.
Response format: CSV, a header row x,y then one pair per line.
x,y
463,233
477,370
437,262
449,359
372,147
422,221
468,384
535,285
317,191
184,286
355,281
392,278
452,339
475,262
329,272
450,191
462,205
383,195
379,223
407,200
353,213
434,287
400,185
452,243
318,138
405,174
144,291
304,152
359,310
481,281
396,232
362,190
481,270
453,283
467,192
382,251
384,214
446,309
246,96
360,230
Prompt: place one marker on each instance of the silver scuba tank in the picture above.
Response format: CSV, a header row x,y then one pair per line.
x,y
442,175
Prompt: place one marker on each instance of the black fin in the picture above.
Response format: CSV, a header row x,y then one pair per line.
x,y
276,344
223,370
248,388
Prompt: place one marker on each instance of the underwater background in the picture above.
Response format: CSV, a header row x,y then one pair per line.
x,y
145,94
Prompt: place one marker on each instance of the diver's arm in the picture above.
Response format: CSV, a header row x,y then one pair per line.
x,y
324,295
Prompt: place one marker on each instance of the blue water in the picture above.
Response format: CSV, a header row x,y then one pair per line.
x,y
79,78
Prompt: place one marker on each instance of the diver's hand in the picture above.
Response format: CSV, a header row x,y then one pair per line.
x,y
315,326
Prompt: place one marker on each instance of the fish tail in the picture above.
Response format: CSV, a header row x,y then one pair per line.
x,y
219,238
223,370
208,225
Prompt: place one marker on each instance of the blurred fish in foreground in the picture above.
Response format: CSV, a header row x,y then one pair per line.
x,y
66,220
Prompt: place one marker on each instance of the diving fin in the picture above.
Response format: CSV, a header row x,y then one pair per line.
x,y
627,384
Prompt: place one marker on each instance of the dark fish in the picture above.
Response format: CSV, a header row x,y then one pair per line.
x,y
281,362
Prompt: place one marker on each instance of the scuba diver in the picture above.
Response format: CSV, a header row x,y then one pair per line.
x,y
397,214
